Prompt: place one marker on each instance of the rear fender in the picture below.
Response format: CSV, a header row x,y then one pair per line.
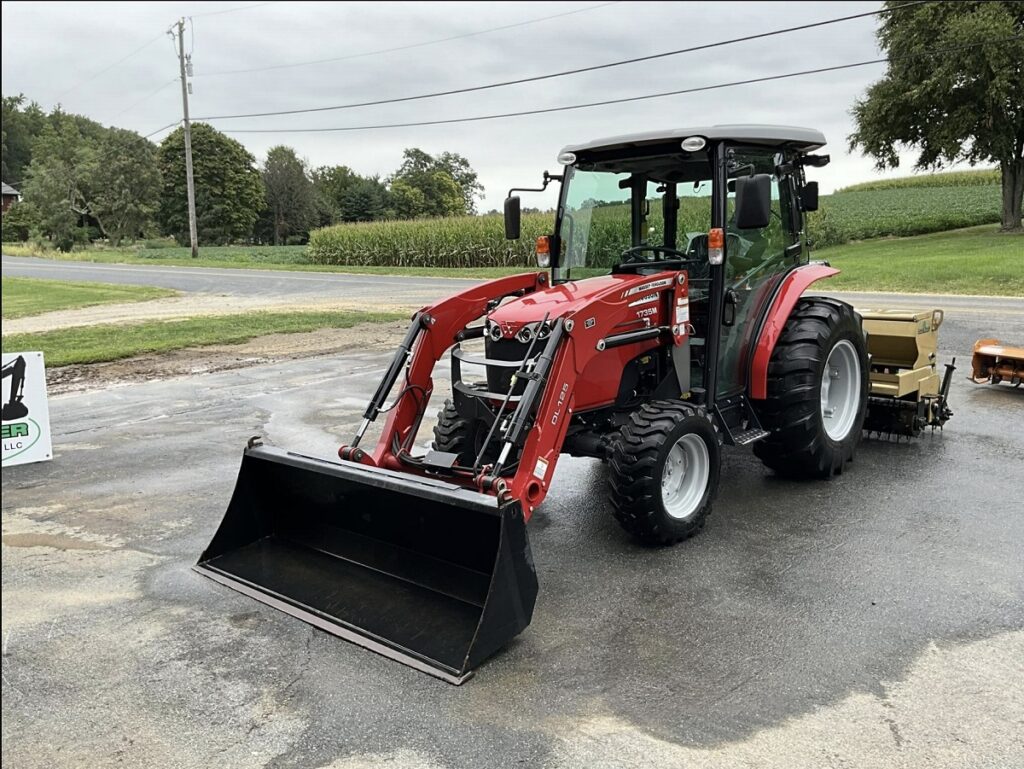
x,y
789,293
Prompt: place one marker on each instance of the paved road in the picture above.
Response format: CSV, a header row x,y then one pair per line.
x,y
384,289
871,621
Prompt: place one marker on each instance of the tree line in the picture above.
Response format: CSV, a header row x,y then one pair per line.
x,y
82,181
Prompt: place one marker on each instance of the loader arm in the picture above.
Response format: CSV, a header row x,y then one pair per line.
x,y
433,331
588,332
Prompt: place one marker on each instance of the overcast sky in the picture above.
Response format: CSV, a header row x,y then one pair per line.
x,y
56,53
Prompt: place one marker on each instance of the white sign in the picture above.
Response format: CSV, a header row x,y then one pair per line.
x,y
26,415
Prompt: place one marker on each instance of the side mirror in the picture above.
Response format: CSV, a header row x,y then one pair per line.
x,y
512,218
809,196
753,201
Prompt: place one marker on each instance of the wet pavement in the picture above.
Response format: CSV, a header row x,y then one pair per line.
x,y
873,620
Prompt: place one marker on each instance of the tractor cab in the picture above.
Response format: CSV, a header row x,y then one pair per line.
x,y
724,203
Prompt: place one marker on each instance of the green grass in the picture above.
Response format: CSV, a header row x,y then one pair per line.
x,y
93,344
978,260
28,296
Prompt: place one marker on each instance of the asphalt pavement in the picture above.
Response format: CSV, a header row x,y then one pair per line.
x,y
384,289
875,620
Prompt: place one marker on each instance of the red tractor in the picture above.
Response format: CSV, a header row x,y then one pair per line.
x,y
673,321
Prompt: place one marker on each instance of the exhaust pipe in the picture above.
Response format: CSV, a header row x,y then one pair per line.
x,y
424,572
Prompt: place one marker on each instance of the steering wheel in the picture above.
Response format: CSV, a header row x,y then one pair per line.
x,y
632,254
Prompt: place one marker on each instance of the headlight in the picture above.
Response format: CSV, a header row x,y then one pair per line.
x,y
531,330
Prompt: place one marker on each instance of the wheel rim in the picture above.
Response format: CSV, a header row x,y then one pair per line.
x,y
840,390
684,476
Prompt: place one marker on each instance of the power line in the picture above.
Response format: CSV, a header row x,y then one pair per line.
x,y
109,67
148,96
566,72
162,128
407,47
231,10
624,100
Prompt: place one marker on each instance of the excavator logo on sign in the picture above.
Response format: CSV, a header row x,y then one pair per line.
x,y
26,425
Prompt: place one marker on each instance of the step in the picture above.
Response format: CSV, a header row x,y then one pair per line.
x,y
749,436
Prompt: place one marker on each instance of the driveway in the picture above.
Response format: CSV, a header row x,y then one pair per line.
x,y
871,621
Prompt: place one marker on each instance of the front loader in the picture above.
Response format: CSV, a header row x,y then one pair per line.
x,y
673,322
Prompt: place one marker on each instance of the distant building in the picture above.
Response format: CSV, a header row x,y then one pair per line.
x,y
11,196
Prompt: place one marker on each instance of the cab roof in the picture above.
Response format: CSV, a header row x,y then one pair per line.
x,y
803,139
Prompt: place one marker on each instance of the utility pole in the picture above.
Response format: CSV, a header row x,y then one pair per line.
x,y
189,179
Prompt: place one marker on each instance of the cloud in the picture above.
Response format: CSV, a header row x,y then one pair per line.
x,y
49,48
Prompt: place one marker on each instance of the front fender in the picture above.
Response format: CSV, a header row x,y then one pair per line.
x,y
789,293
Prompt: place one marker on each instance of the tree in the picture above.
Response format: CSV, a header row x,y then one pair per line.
x,y
963,105
21,125
459,169
289,194
329,186
364,201
447,184
229,191
57,181
125,185
19,222
407,201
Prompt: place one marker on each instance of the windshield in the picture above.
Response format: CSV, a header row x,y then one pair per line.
x,y
596,229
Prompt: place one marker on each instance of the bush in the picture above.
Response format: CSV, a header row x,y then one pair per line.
x,y
18,222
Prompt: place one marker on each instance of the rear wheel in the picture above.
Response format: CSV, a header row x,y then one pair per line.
x,y
663,472
817,391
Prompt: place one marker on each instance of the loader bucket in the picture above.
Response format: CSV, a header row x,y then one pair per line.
x,y
424,572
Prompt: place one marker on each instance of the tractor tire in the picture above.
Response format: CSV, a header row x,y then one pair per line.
x,y
464,437
815,424
664,467
454,434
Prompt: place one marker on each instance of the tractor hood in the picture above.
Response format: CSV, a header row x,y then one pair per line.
x,y
566,299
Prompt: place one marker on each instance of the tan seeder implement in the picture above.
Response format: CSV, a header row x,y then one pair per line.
x,y
907,392
995,362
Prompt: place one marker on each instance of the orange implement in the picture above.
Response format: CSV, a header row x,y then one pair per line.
x,y
993,362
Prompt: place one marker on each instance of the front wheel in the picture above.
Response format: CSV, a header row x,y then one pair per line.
x,y
663,472
817,391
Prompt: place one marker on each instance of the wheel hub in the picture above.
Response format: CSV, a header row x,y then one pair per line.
x,y
684,476
840,390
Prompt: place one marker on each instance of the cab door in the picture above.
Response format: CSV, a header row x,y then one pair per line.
x,y
756,261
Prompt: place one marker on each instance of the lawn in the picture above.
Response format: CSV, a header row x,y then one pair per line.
x,y
28,296
93,344
977,260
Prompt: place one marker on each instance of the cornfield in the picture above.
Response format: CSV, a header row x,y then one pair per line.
x,y
479,241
